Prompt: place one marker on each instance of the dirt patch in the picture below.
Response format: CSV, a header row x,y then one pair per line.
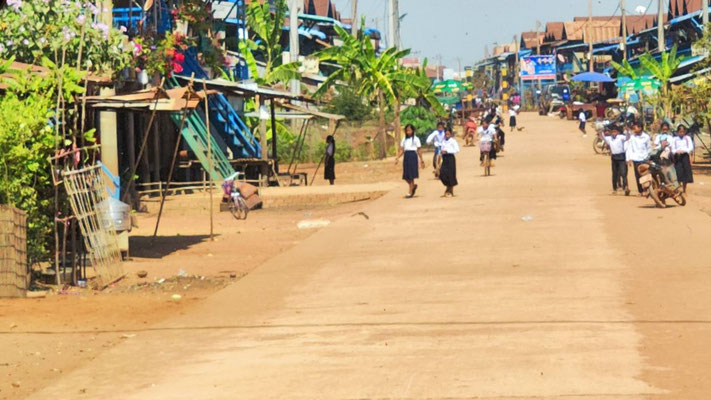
x,y
42,339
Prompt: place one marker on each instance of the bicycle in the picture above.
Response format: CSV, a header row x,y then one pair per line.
x,y
238,206
485,148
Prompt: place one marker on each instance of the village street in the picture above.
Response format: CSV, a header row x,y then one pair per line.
x,y
532,283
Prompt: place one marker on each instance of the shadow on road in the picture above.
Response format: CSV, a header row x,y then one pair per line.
x,y
161,246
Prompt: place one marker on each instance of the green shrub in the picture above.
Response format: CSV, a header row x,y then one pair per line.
x,y
26,140
423,119
285,149
351,105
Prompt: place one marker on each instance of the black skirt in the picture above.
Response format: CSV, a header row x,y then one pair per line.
x,y
682,164
512,121
329,171
410,170
448,171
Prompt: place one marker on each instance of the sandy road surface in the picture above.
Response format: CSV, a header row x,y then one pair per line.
x,y
450,298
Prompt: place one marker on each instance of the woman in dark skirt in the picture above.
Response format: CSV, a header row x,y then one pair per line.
x,y
448,171
329,172
411,149
683,146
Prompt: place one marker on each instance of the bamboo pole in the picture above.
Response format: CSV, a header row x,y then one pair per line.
x,y
209,159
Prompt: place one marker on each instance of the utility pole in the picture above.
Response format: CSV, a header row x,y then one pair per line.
x,y
395,23
354,13
705,12
624,28
294,8
517,70
661,43
589,37
538,49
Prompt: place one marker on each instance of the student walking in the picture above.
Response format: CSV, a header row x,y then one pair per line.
x,y
639,146
512,117
683,146
618,159
329,172
583,120
411,150
487,134
448,171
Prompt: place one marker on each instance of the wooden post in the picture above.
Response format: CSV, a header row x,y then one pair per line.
x,y
274,136
661,45
591,66
209,160
354,16
624,29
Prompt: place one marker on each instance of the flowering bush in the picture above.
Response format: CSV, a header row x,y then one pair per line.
x,y
33,29
161,55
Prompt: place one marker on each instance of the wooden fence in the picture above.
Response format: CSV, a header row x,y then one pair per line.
x,y
14,272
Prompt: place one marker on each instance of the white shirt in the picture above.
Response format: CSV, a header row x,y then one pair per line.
x,y
662,137
450,146
617,144
682,144
512,112
436,137
639,147
486,135
410,143
582,117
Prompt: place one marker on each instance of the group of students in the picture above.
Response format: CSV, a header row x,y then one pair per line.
x,y
634,147
445,148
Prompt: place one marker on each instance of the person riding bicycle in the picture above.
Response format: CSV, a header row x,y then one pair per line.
x,y
487,135
470,129
436,138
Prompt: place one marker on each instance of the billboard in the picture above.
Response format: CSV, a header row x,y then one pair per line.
x,y
538,67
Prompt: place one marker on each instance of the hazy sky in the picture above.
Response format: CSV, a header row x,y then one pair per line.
x,y
461,28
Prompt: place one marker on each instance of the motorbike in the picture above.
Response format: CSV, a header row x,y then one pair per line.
x,y
659,180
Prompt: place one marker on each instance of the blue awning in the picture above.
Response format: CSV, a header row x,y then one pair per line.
x,y
606,48
690,61
684,18
681,78
572,46
504,56
525,52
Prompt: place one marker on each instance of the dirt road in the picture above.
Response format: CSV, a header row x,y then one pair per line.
x,y
533,283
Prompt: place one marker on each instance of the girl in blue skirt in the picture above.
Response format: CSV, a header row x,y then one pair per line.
x,y
411,149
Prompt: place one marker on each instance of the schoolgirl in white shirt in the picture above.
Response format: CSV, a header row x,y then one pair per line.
x,y
448,170
411,150
683,146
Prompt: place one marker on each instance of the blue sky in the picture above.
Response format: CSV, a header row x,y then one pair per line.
x,y
460,29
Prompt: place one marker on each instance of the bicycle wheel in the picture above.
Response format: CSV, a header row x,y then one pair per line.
x,y
487,165
242,209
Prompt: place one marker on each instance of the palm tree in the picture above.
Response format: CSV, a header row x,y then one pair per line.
x,y
663,69
379,78
267,26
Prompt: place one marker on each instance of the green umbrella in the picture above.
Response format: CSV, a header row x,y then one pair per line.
x,y
449,86
449,100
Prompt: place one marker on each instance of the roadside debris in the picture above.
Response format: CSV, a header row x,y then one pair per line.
x,y
142,274
313,224
527,218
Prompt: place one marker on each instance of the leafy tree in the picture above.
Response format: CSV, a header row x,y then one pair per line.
x,y
31,30
267,27
379,78
348,103
663,69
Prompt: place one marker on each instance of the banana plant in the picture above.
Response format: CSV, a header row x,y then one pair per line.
x,y
663,69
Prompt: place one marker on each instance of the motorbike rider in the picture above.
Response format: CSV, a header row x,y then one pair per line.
x,y
639,147
470,128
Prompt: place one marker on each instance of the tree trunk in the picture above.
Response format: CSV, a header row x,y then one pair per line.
x,y
398,130
381,126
